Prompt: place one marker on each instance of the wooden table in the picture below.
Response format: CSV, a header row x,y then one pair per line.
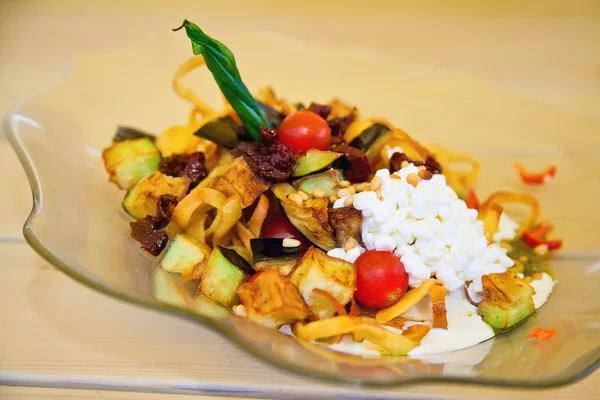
x,y
53,328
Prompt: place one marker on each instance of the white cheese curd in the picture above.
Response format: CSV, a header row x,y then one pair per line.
x,y
350,255
430,229
507,228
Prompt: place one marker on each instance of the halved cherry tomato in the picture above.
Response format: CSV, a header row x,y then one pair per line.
x,y
381,279
304,130
281,228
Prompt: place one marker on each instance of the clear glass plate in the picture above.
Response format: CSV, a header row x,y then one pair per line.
x,y
77,223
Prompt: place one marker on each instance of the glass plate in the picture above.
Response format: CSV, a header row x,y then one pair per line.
x,y
77,223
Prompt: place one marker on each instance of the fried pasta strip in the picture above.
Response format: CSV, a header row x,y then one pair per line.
x,y
438,301
521,198
185,93
410,298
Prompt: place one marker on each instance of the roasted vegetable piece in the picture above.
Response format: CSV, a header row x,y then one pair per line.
x,y
127,162
327,181
233,257
187,257
310,218
239,180
127,133
221,279
346,223
142,199
371,135
315,160
271,253
318,270
223,131
507,299
271,299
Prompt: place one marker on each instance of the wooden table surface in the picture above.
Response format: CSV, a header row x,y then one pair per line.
x,y
53,328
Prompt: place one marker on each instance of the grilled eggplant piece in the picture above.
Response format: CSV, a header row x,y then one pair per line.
x,y
187,257
317,270
315,160
346,223
238,179
271,299
127,162
370,136
507,299
310,218
125,133
328,181
142,199
221,279
271,253
233,257
223,131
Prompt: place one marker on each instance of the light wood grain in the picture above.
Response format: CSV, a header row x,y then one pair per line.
x,y
52,328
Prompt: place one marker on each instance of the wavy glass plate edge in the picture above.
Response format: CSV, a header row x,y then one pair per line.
x,y
12,134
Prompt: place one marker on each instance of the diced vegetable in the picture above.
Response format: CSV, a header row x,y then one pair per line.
x,y
346,223
233,257
328,181
239,180
333,275
271,299
370,136
177,140
536,237
187,257
221,279
536,178
129,161
125,133
542,334
271,253
310,218
315,160
223,131
472,200
507,299
142,199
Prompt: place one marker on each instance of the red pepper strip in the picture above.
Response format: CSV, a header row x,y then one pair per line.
x,y
542,334
472,200
534,241
536,178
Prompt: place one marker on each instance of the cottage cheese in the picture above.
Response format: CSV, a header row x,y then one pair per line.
x,y
430,229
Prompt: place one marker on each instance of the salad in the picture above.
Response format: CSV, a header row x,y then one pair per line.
x,y
333,227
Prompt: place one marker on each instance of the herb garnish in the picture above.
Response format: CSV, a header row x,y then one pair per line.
x,y
221,63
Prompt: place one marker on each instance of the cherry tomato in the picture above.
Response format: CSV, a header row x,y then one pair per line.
x,y
380,279
304,130
281,228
